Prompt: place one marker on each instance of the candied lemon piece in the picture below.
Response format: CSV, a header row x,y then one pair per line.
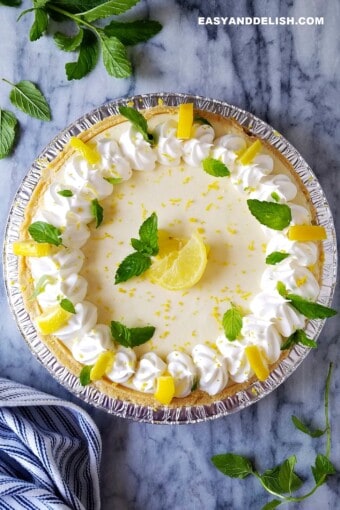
x,y
185,120
91,155
165,389
102,366
52,319
31,249
181,269
249,154
257,362
306,233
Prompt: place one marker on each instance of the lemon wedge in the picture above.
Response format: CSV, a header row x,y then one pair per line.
x,y
102,366
165,389
185,120
52,319
257,362
306,233
31,249
91,155
181,269
249,154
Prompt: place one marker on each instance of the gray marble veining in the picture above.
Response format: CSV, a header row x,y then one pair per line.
x,y
290,77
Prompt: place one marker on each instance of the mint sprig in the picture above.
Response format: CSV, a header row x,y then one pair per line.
x,y
215,167
8,128
97,212
131,337
282,480
147,245
91,37
138,121
309,309
232,323
43,232
275,257
298,337
270,214
65,193
67,305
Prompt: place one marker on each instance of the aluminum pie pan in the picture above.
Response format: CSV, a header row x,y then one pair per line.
x,y
185,414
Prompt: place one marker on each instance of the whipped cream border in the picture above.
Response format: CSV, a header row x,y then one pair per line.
x,y
213,366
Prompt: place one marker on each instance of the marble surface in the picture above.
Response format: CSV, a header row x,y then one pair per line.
x,y
290,77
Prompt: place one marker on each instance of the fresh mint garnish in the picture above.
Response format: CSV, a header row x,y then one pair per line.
x,y
41,285
134,264
305,429
131,337
282,480
67,305
97,212
138,121
276,257
133,32
232,323
10,3
309,309
113,180
43,232
137,263
275,196
84,376
202,120
215,167
90,37
65,193
298,337
270,214
8,125
28,98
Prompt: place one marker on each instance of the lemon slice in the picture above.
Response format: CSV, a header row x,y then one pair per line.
x,y
102,366
165,389
91,155
31,249
249,154
185,120
257,362
307,233
52,319
181,269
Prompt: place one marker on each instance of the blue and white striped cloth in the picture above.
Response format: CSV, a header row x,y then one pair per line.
x,y
50,452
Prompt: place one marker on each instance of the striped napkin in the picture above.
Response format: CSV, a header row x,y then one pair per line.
x,y
49,452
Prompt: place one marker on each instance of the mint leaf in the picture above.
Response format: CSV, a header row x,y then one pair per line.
x,y
323,467
115,58
97,212
276,257
133,265
131,337
84,376
270,214
298,337
133,32
306,430
233,465
65,193
10,3
201,120
215,167
111,8
8,125
271,481
275,196
148,234
232,323
87,58
281,288
274,503
113,180
43,232
67,305
28,98
137,120
68,43
40,24
288,479
310,309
